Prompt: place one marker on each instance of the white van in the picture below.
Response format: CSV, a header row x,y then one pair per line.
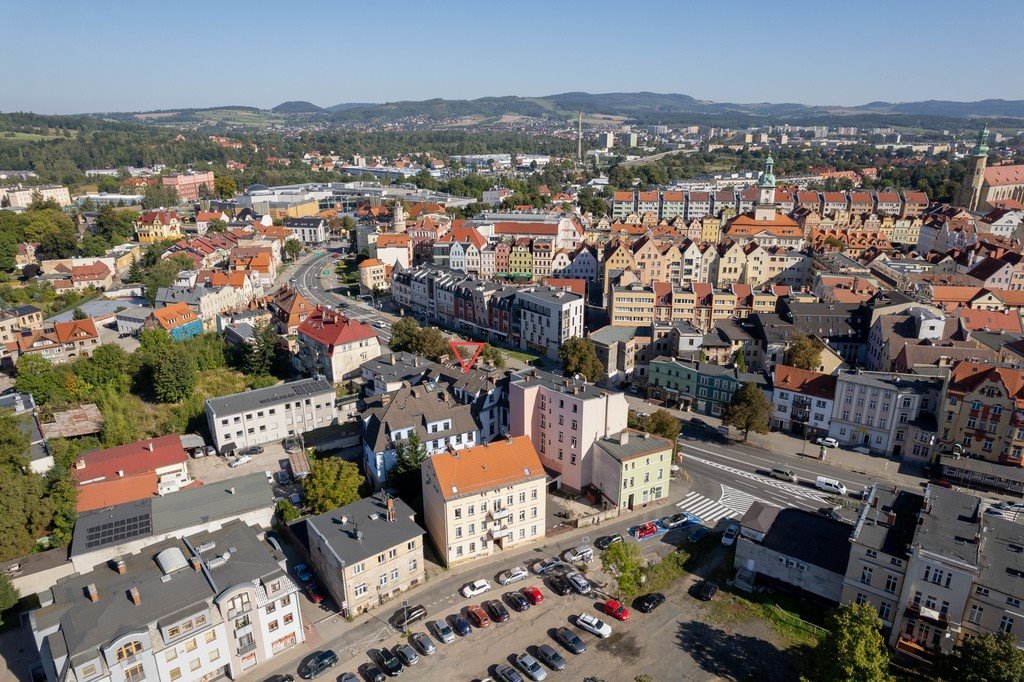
x,y
829,485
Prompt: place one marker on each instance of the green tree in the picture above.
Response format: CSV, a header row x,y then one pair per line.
x,y
990,657
405,335
748,410
332,483
348,223
216,227
292,248
740,360
175,376
853,650
660,423
163,273
25,510
225,186
493,356
433,344
578,356
36,375
78,314
803,353
409,455
258,354
135,273
285,511
625,562
63,495
8,593
158,196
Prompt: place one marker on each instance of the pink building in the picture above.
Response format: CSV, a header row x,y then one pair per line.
x,y
188,184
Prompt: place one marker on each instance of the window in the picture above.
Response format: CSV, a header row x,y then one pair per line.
x,y
210,636
134,674
194,664
383,580
381,559
171,654
360,589
288,618
394,574
173,632
975,615
190,645
885,611
392,553
412,565
533,494
865,574
1006,624
870,552
132,648
861,599
1013,601
458,531
272,625
175,674
358,568
285,601
214,655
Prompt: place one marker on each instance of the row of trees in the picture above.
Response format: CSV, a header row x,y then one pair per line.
x,y
408,336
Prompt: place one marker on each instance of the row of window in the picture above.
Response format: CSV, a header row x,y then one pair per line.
x,y
193,665
472,545
496,504
384,578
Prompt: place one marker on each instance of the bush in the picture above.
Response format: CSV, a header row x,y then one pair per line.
x,y
285,511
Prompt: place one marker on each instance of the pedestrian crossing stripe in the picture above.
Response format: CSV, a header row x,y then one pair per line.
x,y
736,499
709,511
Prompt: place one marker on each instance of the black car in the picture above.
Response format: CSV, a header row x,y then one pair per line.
x,y
372,673
460,625
560,585
403,617
649,602
708,590
517,601
570,640
830,513
389,663
280,678
348,677
607,541
321,662
496,610
547,655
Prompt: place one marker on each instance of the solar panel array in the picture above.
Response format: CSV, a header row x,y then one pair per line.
x,y
118,530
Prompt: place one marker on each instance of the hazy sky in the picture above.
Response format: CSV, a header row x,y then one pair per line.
x,y
65,56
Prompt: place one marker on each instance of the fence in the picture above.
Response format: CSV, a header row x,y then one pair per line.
x,y
798,622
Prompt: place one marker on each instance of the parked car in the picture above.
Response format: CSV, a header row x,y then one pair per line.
x,y
517,601
546,565
579,583
348,677
478,616
533,595
570,640
290,444
407,655
992,511
560,585
708,590
827,442
372,673
531,667
314,594
295,499
321,662
461,625
410,614
551,658
830,513
673,521
496,610
616,610
941,482
649,602
474,588
607,541
507,673
389,663
239,461
283,478
512,575
280,678
646,530
304,573
424,644
252,450
729,537
443,631
584,553
593,625
698,534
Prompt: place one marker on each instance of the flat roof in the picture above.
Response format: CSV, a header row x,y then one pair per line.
x,y
273,395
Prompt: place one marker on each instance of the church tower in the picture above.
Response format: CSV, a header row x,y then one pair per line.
x,y
970,191
766,209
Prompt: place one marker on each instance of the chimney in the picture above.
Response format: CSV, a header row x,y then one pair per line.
x,y
80,463
391,510
232,490
133,595
890,520
623,437
91,593
196,563
119,566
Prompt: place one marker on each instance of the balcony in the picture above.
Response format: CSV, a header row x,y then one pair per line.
x,y
240,611
246,648
925,613
501,515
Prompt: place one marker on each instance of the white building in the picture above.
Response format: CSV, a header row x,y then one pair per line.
x,y
334,346
309,231
21,197
548,317
802,401
268,414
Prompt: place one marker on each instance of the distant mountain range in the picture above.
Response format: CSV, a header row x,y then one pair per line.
x,y
643,106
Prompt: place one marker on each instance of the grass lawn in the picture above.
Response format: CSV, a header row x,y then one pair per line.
x,y
519,355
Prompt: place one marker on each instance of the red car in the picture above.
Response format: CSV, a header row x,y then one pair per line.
x,y
616,610
478,616
646,530
314,593
534,595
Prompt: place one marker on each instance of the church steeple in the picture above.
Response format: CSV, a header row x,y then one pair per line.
x,y
969,196
981,149
766,188
768,176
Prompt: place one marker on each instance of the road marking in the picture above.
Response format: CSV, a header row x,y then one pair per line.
x,y
737,499
707,509
770,463
795,490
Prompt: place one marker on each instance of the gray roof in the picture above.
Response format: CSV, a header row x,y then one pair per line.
x,y
85,625
415,407
903,383
393,368
1002,556
949,524
811,538
874,528
557,382
100,528
135,313
549,295
100,308
376,535
609,334
638,444
273,395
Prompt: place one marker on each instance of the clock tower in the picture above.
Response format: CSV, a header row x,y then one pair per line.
x,y
766,209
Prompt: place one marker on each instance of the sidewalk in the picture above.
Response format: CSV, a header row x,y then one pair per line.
x,y
905,473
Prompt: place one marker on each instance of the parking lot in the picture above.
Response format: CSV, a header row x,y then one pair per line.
x,y
215,468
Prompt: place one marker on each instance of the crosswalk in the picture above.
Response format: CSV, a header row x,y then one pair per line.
x,y
789,488
709,511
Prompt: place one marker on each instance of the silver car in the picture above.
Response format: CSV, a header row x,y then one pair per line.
x,y
443,631
424,644
529,665
578,582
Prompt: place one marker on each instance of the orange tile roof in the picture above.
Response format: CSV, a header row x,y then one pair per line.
x,y
392,240
576,286
804,382
485,467
968,376
174,315
116,491
1004,175
779,226
623,196
370,263
989,320
550,229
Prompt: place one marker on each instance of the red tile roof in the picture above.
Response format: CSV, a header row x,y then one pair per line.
x,y
332,329
1004,175
523,228
153,216
989,320
127,460
392,240
804,382
576,286
116,491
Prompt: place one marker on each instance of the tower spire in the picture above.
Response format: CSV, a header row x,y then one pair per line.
x,y
981,149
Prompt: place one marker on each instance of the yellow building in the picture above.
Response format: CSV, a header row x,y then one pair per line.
x,y
631,305
158,226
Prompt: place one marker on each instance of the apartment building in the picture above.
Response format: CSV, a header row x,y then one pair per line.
x,y
438,420
802,401
188,185
632,468
484,499
158,226
309,231
891,414
13,320
289,309
207,605
155,466
255,417
980,415
21,197
177,319
60,342
367,553
563,417
548,317
334,346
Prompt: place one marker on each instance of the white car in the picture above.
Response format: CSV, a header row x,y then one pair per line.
x,y
730,535
593,625
582,553
474,588
828,442
512,575
244,459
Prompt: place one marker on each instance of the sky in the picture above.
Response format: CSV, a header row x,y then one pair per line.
x,y
137,56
